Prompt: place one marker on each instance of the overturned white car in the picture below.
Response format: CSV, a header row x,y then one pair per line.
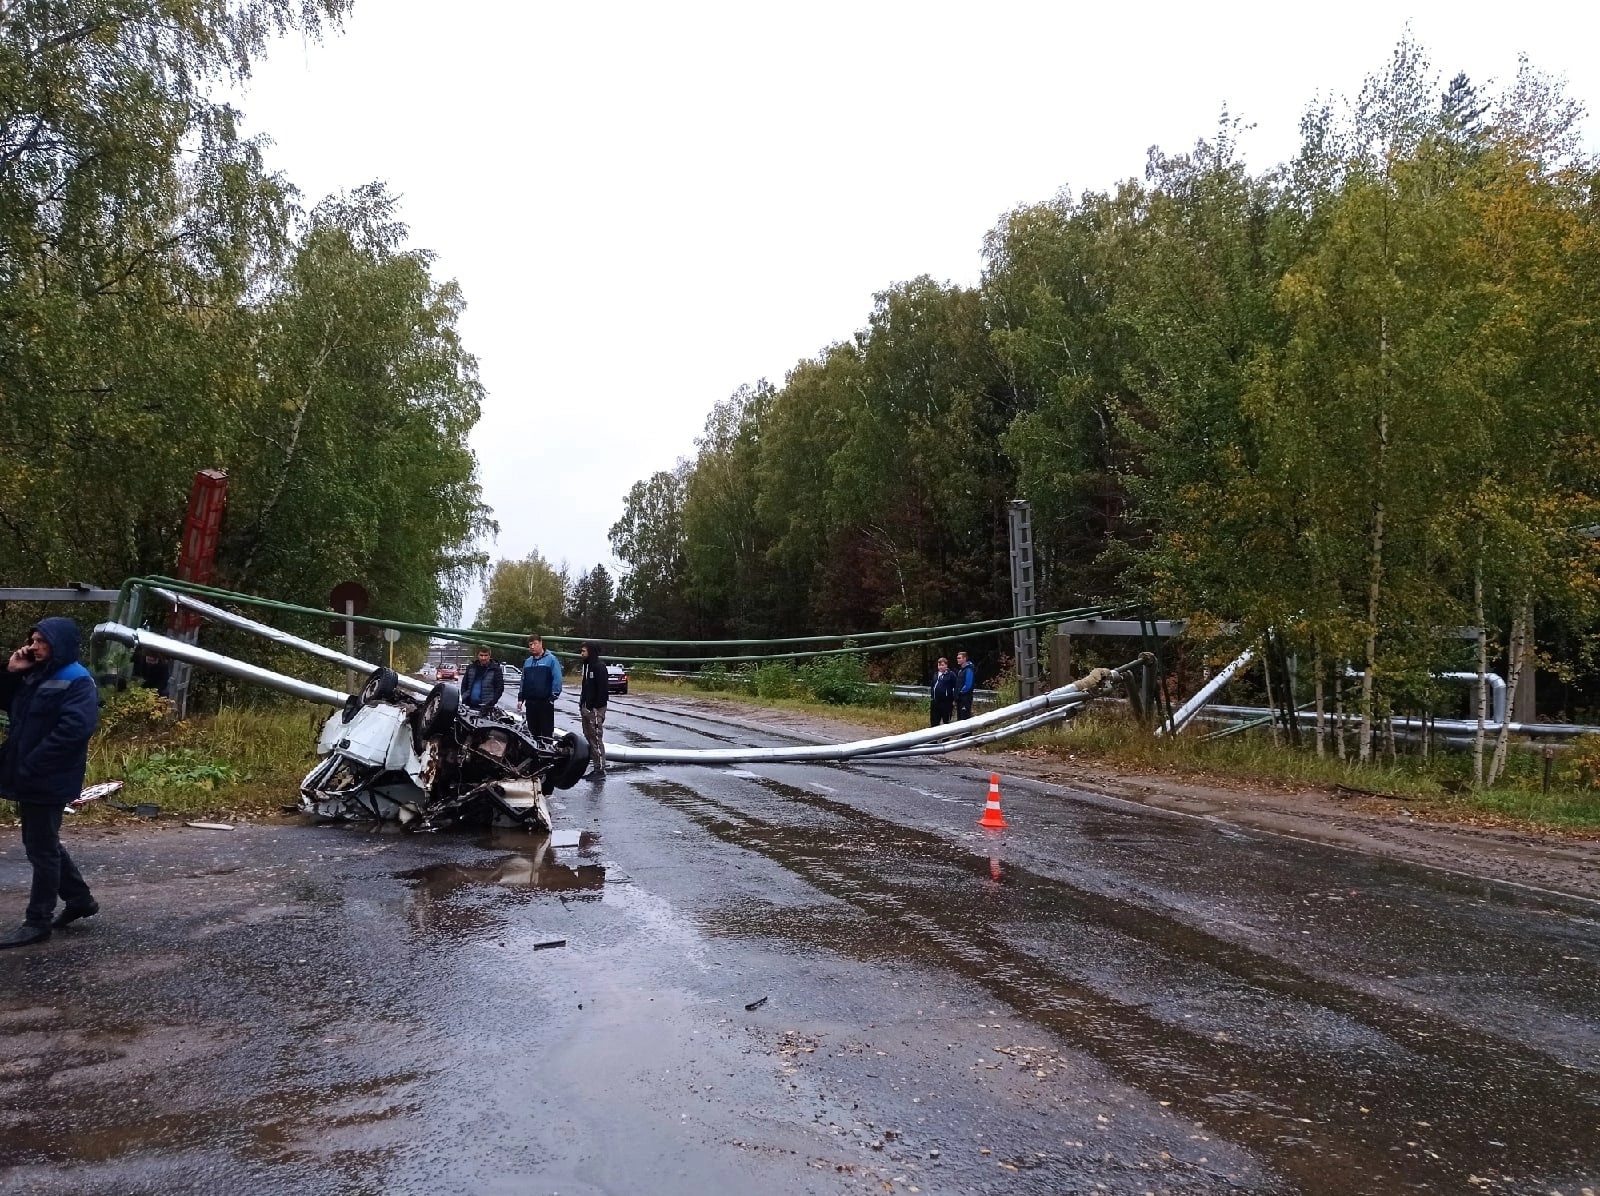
x,y
430,763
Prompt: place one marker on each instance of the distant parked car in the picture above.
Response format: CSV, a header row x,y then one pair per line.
x,y
616,679
428,673
447,672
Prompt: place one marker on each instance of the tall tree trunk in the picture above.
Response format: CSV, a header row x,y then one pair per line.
x,y
1266,672
1322,725
1374,585
1338,708
1375,568
1483,667
1519,641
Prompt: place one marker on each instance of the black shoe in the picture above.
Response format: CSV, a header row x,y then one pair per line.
x,y
25,935
72,913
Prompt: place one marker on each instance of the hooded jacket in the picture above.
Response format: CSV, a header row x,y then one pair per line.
x,y
944,688
595,687
54,708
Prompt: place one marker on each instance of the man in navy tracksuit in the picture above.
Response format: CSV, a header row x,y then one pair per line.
x,y
54,708
541,686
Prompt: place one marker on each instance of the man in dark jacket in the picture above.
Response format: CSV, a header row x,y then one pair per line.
x,y
966,682
54,709
943,695
541,686
593,692
483,683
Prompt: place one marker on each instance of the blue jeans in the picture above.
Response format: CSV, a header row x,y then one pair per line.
x,y
54,873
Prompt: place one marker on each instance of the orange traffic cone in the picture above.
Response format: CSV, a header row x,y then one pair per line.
x,y
991,813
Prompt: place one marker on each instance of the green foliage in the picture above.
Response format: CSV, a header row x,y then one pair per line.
x,y
838,680
134,712
525,597
1348,399
592,605
775,680
166,305
180,768
1580,764
714,677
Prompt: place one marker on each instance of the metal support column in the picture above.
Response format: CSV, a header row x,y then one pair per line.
x,y
1022,601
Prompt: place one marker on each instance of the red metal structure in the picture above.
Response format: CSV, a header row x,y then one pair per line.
x,y
198,555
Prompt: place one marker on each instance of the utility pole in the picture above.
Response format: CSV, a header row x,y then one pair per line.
x,y
1022,601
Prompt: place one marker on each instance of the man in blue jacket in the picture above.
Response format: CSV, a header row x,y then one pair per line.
x,y
541,686
966,682
54,708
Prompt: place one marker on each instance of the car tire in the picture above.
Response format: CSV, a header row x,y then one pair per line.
x,y
570,771
380,687
624,688
438,713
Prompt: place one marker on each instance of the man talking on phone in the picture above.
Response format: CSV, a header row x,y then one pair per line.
x,y
54,708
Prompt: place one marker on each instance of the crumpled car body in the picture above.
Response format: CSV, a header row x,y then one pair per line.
x,y
431,763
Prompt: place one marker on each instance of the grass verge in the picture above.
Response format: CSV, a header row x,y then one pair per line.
x,y
239,763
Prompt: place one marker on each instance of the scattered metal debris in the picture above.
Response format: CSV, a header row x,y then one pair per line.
x,y
754,1005
210,826
550,943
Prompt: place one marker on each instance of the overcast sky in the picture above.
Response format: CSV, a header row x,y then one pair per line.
x,y
649,204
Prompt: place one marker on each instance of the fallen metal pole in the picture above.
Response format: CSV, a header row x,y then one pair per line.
x,y
173,649
1067,695
239,622
1187,711
1027,724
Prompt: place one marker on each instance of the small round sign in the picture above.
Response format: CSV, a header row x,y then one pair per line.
x,y
390,634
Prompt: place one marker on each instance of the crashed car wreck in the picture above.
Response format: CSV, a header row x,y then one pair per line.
x,y
397,750
432,763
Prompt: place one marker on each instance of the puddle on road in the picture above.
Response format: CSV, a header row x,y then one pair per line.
x,y
1338,1088
538,871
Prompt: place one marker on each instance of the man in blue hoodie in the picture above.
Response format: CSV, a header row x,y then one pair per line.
x,y
54,708
966,682
541,686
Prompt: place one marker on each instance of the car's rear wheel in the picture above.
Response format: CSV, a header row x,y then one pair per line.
x,y
438,713
380,687
570,771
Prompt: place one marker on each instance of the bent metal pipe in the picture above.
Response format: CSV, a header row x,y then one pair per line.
x,y
1067,695
240,622
1024,715
162,645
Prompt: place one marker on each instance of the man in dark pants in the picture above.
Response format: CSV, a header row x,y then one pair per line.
x,y
483,683
54,709
943,695
966,682
593,693
541,686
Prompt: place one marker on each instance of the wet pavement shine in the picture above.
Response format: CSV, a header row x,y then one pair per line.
x,y
795,979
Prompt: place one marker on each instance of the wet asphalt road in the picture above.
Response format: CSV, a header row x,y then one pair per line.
x,y
1102,998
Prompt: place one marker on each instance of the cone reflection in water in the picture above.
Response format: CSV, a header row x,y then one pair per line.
x,y
991,812
994,868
